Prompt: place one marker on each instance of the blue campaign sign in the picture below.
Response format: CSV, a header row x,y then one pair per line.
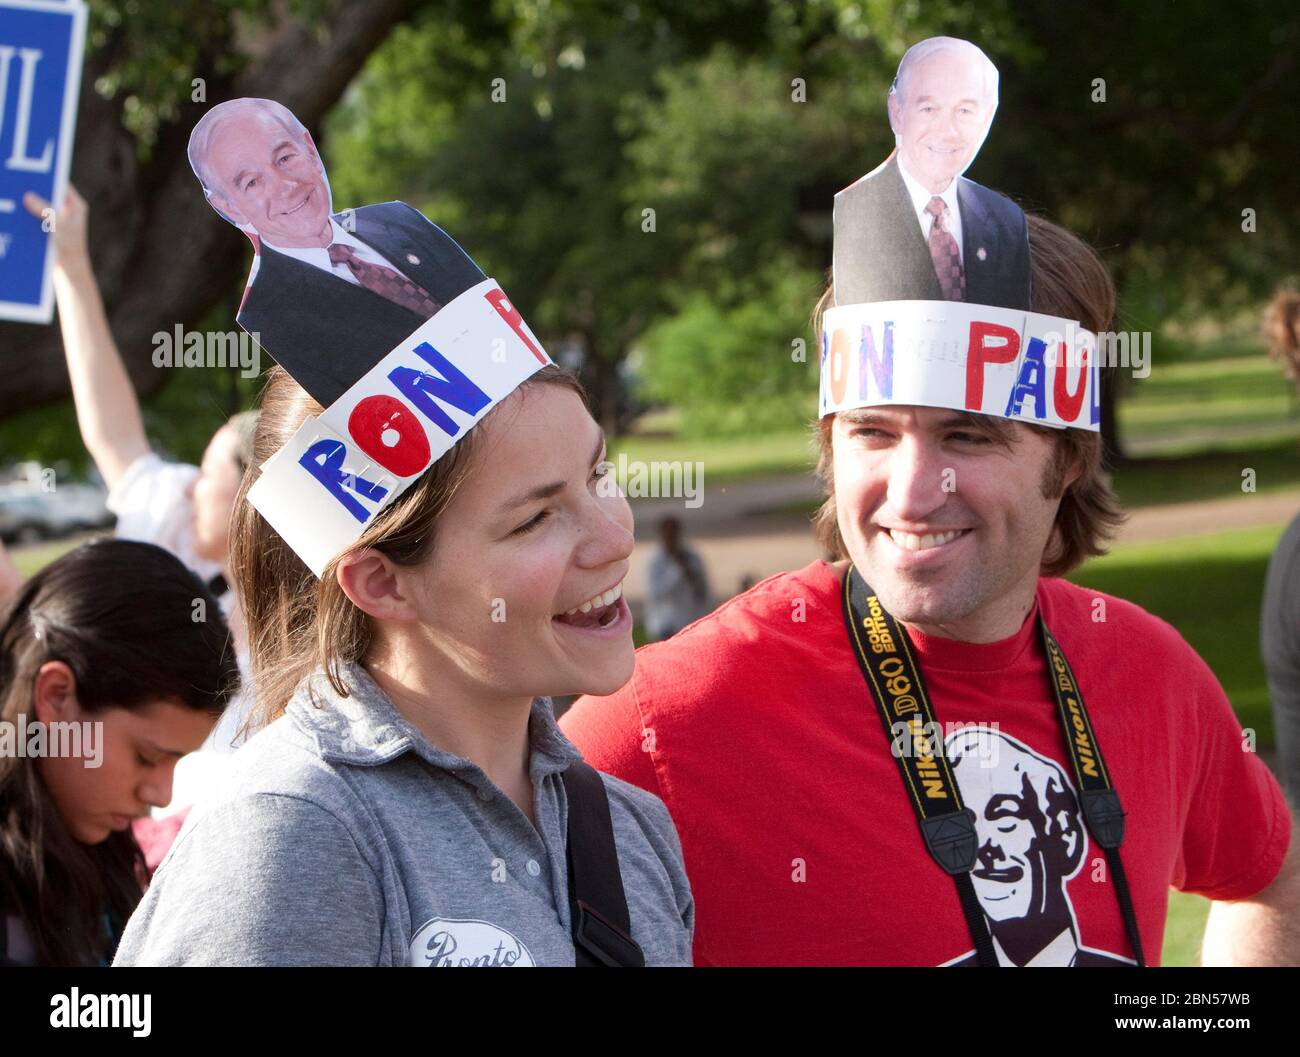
x,y
40,75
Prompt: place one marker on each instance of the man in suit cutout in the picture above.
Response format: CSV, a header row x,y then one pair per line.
x,y
941,105
330,294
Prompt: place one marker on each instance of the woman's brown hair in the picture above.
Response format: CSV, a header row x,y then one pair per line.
x,y
1070,281
295,622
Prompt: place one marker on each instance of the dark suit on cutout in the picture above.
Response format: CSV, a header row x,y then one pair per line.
x,y
327,332
881,255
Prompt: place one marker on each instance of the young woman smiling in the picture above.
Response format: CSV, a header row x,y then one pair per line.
x,y
404,803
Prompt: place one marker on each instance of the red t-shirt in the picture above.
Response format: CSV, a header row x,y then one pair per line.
x,y
756,728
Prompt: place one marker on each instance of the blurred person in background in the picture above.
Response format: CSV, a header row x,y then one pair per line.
x,y
10,578
101,638
1279,626
182,508
677,587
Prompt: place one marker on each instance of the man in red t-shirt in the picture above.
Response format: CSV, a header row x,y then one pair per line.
x,y
757,728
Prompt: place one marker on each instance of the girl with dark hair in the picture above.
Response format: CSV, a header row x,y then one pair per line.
x,y
183,508
115,661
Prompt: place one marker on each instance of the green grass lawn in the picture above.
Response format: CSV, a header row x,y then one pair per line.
x,y
1191,404
1215,474
1184,928
726,458
1174,578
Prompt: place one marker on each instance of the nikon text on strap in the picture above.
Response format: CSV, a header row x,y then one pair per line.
x,y
884,654
602,928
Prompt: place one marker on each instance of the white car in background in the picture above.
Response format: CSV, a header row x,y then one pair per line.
x,y
29,514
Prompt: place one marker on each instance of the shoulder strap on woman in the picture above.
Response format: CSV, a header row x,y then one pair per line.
x,y
602,929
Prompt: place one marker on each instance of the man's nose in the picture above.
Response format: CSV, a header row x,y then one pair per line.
x,y
283,182
916,480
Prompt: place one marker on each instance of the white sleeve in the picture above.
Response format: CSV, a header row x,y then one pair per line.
x,y
152,506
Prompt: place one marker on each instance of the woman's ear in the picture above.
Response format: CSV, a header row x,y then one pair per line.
x,y
54,697
372,584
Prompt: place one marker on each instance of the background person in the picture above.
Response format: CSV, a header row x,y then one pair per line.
x,y
102,635
677,585
10,578
184,509
1279,625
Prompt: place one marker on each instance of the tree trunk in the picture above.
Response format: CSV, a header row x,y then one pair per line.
x,y
160,254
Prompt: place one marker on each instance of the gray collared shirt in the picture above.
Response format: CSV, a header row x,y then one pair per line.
x,y
343,837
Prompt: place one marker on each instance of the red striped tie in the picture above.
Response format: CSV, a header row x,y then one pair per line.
x,y
385,282
944,253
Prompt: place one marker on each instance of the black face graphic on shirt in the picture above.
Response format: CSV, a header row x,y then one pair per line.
x,y
1032,841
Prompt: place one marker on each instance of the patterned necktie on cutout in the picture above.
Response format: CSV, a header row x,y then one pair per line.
x,y
944,253
385,282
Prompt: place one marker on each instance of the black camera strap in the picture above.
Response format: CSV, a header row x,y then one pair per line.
x,y
884,653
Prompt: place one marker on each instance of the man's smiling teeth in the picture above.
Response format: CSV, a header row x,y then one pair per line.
x,y
604,599
912,542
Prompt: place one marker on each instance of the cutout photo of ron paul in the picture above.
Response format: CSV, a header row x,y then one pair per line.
x,y
330,294
914,228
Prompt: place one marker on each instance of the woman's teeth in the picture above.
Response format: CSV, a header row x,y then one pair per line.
x,y
604,599
912,542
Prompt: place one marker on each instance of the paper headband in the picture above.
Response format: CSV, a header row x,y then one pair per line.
x,y
322,489
993,361
932,270
376,312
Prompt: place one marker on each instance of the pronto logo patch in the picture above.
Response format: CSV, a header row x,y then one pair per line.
x,y
467,943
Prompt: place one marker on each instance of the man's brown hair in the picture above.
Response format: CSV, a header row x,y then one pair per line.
x,y
1070,281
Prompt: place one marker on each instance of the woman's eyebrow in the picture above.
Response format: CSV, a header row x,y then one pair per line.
x,y
545,491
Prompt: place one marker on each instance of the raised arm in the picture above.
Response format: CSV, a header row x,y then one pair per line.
x,y
108,411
